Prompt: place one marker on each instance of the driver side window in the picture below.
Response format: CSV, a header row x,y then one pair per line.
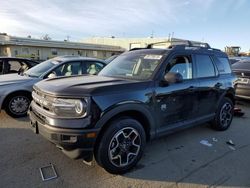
x,y
68,69
181,64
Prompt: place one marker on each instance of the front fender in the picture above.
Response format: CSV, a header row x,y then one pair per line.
x,y
129,106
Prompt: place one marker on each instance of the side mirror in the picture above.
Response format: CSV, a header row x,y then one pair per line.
x,y
172,77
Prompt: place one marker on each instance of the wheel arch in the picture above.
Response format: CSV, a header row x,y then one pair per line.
x,y
230,96
135,111
229,93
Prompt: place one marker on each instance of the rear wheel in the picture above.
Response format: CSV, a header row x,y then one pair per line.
x,y
17,105
121,146
224,115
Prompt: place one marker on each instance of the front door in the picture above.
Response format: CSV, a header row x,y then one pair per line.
x,y
177,102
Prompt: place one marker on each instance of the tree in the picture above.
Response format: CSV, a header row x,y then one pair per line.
x,y
46,37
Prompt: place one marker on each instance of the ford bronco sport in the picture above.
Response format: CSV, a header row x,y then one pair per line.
x,y
141,95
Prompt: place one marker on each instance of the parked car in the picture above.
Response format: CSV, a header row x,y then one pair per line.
x,y
111,58
15,89
10,65
242,86
141,95
233,60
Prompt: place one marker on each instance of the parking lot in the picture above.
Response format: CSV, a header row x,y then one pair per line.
x,y
177,160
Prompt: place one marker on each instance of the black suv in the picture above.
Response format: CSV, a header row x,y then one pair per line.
x,y
139,96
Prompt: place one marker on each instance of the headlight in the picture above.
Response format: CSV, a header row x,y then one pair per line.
x,y
69,107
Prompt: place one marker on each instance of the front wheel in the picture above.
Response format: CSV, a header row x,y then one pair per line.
x,y
224,115
121,146
17,106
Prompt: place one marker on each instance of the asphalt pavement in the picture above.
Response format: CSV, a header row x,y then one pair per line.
x,y
177,160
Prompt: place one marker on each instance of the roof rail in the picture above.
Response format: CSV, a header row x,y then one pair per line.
x,y
179,44
186,43
133,49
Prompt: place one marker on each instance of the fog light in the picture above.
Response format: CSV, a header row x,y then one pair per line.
x,y
69,139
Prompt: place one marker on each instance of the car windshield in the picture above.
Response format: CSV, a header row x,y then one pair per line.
x,y
137,66
241,65
41,68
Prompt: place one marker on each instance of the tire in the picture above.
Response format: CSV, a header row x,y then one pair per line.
x,y
224,115
121,146
17,105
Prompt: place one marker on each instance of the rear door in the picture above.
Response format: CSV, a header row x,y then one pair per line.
x,y
209,84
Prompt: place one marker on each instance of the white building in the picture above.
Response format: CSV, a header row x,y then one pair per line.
x,y
44,49
129,43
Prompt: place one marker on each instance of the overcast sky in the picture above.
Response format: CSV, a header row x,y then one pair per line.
x,y
218,22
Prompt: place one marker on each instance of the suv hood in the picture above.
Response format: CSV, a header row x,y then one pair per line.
x,y
79,86
13,79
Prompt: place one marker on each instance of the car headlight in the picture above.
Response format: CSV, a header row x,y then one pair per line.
x,y
69,107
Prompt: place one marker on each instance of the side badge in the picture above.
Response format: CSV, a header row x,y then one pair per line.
x,y
163,107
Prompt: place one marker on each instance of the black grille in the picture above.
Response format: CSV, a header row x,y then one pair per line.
x,y
42,100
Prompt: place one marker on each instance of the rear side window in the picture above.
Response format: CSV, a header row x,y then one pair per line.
x,y
13,66
205,66
223,65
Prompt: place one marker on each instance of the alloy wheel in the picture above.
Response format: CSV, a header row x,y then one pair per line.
x,y
226,114
124,147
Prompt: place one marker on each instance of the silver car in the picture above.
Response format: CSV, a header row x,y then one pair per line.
x,y
15,89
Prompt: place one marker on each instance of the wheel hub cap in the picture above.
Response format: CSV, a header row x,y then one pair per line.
x,y
19,105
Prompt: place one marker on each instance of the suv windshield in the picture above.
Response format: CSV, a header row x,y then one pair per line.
x,y
41,68
138,66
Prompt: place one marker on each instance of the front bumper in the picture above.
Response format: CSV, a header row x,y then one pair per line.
x,y
242,91
75,143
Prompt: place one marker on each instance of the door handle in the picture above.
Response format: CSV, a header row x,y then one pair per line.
x,y
191,89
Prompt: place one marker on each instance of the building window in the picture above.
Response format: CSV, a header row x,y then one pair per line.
x,y
95,53
54,51
25,50
16,52
87,54
79,52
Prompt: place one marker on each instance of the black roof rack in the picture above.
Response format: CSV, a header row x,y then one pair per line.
x,y
133,49
186,43
180,44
